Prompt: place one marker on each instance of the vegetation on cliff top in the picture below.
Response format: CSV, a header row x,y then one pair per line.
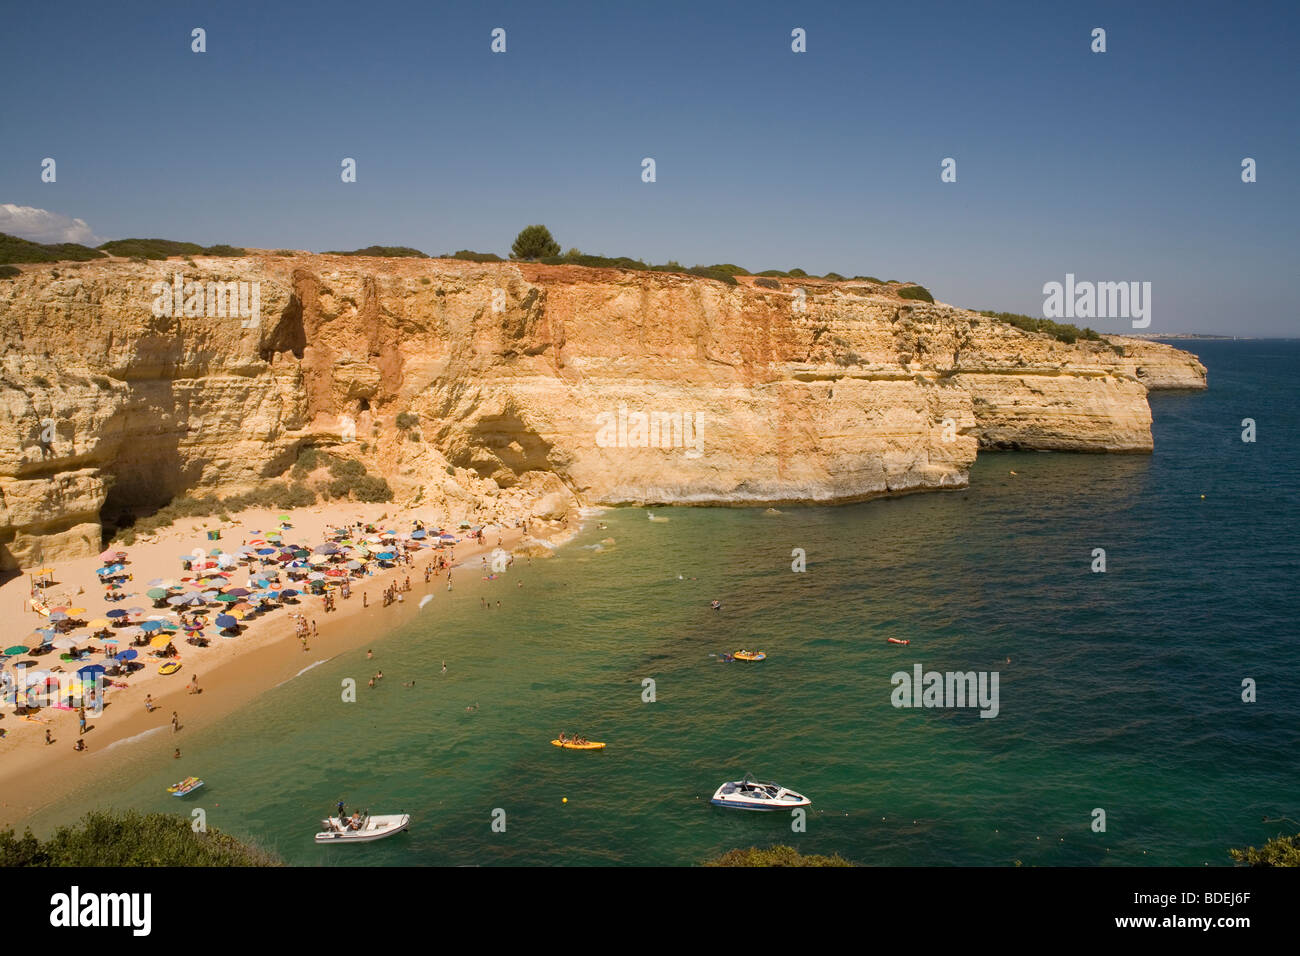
x,y
775,856
130,838
13,249
1058,330
165,248
534,242
386,252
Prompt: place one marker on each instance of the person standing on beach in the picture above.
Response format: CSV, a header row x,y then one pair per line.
x,y
48,739
365,601
81,716
176,722
148,703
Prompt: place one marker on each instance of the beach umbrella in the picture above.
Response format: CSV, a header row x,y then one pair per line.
x,y
177,599
100,622
149,626
127,655
316,576
156,593
162,640
355,565
64,643
289,592
419,534
238,592
108,556
386,556
317,559
265,551
326,548
91,670
226,621
15,651
74,611
135,610
116,612
284,518
227,598
58,616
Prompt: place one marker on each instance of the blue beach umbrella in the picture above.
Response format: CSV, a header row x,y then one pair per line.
x,y
116,612
149,626
226,621
127,655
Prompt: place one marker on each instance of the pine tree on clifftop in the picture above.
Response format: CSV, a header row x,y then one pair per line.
x,y
534,242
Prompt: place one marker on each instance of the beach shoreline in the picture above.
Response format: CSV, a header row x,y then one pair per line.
x,y
231,672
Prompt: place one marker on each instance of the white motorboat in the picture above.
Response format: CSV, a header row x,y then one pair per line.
x,y
369,827
749,794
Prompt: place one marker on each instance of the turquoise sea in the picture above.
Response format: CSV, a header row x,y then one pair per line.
x,y
1119,690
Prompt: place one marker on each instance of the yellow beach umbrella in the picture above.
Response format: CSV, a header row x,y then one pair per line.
x,y
75,610
100,622
162,640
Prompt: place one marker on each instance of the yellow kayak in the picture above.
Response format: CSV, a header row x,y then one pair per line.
x,y
749,656
570,745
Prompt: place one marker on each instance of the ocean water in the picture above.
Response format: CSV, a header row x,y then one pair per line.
x,y
1119,690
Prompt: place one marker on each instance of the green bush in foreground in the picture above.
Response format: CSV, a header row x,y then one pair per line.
x,y
1279,851
130,838
7,272
775,856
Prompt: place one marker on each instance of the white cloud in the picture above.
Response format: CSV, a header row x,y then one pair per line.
x,y
41,225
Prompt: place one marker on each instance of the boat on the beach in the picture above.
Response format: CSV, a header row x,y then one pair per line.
x,y
573,745
749,794
749,656
171,667
188,785
370,827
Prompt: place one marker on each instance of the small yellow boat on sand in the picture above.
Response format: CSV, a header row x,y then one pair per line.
x,y
749,656
171,667
573,745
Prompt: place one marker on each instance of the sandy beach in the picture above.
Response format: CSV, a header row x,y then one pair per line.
x,y
230,671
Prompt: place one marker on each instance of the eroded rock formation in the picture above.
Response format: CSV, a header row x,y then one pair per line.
x,y
525,384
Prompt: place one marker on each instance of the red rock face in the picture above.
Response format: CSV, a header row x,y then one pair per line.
x,y
515,374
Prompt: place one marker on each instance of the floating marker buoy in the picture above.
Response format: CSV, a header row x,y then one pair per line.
x,y
564,799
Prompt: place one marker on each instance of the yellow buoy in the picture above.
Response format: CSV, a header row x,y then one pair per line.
x,y
564,799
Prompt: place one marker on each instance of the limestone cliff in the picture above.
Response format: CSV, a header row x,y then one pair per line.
x,y
527,385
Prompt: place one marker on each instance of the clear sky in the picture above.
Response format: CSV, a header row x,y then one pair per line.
x,y
1123,165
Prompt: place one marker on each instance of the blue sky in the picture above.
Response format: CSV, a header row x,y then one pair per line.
x,y
1117,166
